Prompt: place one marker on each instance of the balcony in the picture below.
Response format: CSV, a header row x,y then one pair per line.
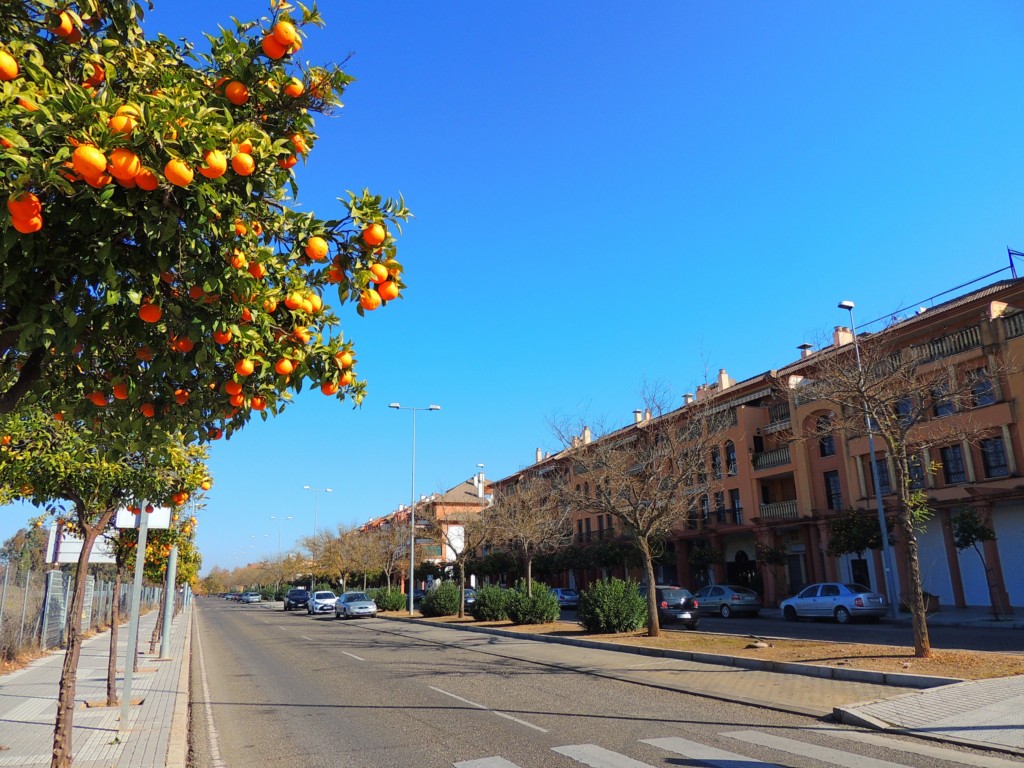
x,y
778,457
780,510
1014,325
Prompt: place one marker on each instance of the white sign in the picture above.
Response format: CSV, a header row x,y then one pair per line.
x,y
62,547
160,517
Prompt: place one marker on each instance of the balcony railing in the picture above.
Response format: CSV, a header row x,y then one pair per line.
x,y
780,510
770,459
1014,325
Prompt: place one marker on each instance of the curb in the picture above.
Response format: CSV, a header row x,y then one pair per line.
x,y
897,679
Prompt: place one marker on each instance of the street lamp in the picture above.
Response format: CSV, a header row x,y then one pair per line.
x,y
887,558
280,563
412,495
316,503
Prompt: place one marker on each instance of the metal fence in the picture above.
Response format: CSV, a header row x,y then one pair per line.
x,y
34,607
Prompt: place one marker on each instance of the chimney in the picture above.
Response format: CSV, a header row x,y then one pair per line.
x,y
540,456
806,350
637,416
841,336
688,398
647,414
586,435
724,382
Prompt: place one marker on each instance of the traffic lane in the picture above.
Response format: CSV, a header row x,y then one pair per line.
x,y
293,690
881,632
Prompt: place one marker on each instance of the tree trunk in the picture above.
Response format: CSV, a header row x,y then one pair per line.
x,y
529,577
115,619
462,590
915,596
387,579
653,625
993,599
62,755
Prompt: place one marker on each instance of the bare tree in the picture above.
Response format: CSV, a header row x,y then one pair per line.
x,y
388,546
527,519
650,476
916,402
463,534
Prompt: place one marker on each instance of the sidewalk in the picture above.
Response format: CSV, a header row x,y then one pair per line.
x,y
987,714
157,731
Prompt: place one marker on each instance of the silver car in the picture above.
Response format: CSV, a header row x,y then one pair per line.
x,y
727,600
321,602
353,604
832,600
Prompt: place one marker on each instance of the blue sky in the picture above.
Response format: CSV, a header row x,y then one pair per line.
x,y
609,194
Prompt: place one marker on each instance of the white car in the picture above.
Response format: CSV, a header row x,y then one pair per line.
x,y
352,604
321,602
250,597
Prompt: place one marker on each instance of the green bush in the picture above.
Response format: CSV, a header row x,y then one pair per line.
x,y
389,599
491,603
442,600
539,608
612,605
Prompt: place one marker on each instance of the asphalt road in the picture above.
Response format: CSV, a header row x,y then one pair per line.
x,y
282,689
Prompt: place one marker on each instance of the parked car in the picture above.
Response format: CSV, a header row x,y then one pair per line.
x,y
296,598
470,596
833,600
567,598
353,604
675,604
321,601
727,600
250,597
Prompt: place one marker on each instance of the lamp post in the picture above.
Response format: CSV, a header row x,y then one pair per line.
x,y
412,495
280,563
887,558
316,503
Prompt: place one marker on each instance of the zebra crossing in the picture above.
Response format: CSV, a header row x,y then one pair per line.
x,y
844,754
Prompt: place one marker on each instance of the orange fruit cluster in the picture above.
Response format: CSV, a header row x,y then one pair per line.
x,y
26,212
281,40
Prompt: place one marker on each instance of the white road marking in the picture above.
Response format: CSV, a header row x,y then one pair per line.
x,y
485,762
488,709
710,755
216,761
598,757
927,750
311,639
360,659
285,629
813,751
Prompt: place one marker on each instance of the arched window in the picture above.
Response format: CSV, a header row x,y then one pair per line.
x,y
716,463
826,440
730,458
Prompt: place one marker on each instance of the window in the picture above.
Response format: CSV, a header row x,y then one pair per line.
x,y
611,525
716,463
600,526
705,506
905,411
811,591
983,391
579,531
586,529
826,440
953,470
833,493
941,404
829,590
737,506
884,484
730,458
993,457
720,507
916,473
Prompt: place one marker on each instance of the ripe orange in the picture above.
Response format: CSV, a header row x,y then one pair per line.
x,y
284,32
238,261
374,234
244,367
294,88
237,400
206,485
8,66
335,275
27,226
301,333
98,182
177,172
89,161
269,305
246,315
147,179
243,164
183,345
64,25
284,366
95,73
216,164
58,416
293,301
378,272
246,147
316,303
124,164
329,387
307,306
222,337
273,48
257,270
299,143
75,37
121,391
240,228
22,101
258,403
127,183
122,124
346,378
148,410
145,354
150,313
316,248
236,93
388,290
232,387
369,299
344,358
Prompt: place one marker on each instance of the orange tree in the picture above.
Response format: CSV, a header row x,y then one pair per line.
x,y
81,478
150,256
